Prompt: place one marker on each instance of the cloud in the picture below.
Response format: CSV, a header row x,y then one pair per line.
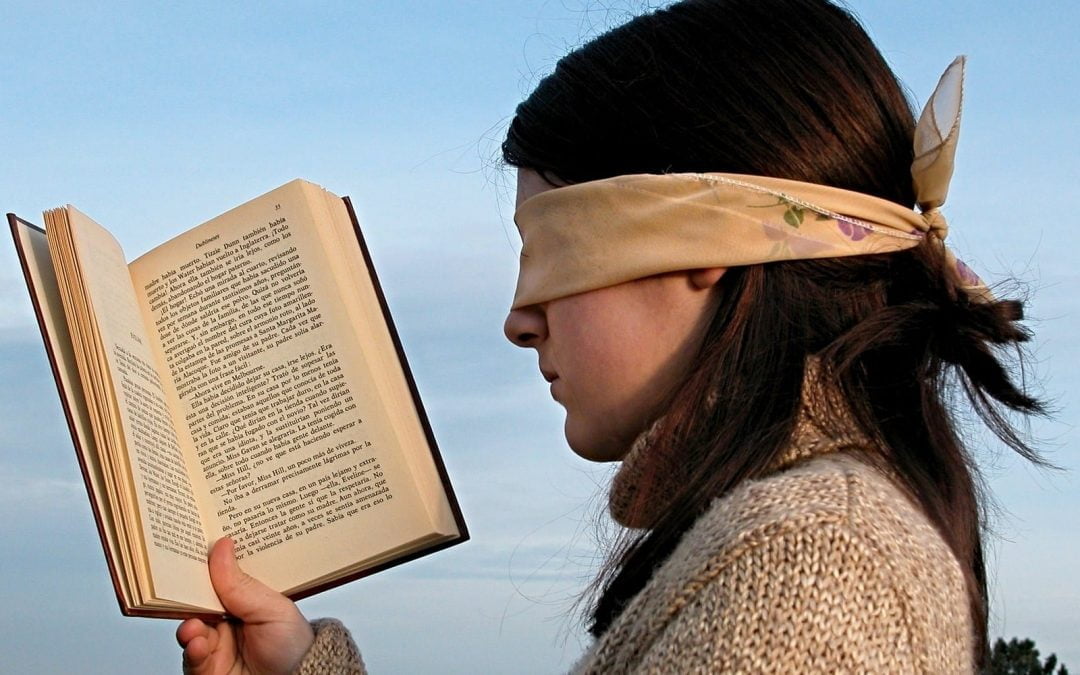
x,y
26,491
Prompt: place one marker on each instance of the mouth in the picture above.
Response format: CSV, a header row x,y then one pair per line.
x,y
548,375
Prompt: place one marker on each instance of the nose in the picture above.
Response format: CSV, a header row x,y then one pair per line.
x,y
526,327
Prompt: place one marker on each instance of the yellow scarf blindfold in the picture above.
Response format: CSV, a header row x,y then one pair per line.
x,y
586,236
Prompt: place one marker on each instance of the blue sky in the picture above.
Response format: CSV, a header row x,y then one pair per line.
x,y
152,117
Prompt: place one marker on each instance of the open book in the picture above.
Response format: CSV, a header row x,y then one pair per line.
x,y
242,379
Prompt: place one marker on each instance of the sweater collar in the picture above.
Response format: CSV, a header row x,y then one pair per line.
x,y
646,482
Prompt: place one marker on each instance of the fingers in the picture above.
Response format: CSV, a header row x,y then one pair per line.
x,y
196,655
243,596
271,632
199,641
190,629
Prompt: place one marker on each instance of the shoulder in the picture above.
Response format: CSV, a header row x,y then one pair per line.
x,y
838,501
840,492
827,566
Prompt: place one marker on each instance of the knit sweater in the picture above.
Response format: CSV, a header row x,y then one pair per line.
x,y
823,566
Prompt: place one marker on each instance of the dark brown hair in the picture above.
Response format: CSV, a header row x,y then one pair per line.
x,y
792,89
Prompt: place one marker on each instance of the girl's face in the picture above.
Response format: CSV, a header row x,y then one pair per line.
x,y
613,355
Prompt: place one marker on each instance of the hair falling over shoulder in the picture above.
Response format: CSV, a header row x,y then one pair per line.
x,y
790,89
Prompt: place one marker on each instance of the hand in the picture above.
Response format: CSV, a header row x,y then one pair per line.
x,y
269,634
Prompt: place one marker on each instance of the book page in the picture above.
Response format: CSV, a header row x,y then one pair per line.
x,y
363,303
147,452
33,250
302,465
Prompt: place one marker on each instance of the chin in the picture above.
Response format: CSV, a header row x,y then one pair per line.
x,y
593,448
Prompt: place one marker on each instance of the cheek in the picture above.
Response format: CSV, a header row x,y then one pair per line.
x,y
593,389
612,364
613,394
619,358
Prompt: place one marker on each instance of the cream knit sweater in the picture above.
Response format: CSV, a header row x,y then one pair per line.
x,y
823,566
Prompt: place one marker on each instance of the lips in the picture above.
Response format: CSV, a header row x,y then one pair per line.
x,y
548,374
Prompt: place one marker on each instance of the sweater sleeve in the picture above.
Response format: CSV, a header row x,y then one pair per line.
x,y
819,600
332,652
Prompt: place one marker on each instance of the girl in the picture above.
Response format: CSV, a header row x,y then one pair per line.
x,y
730,288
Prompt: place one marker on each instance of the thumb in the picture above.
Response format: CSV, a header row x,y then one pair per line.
x,y
242,595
